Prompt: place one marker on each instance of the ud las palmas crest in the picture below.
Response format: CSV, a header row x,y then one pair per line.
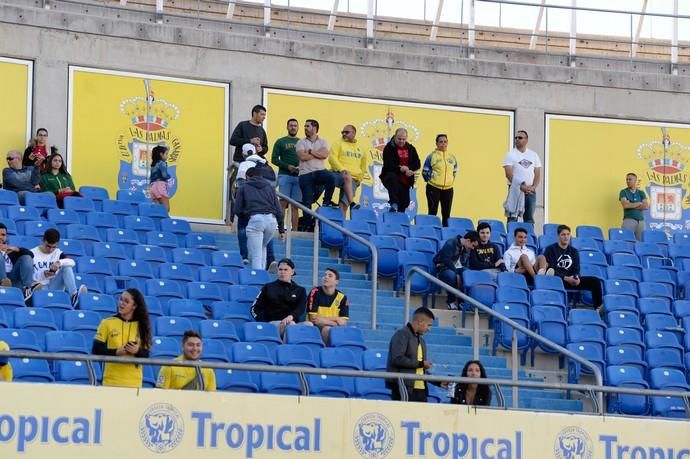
x,y
135,158
666,184
377,133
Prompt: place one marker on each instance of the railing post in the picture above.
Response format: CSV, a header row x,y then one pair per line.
x,y
334,12
471,37
572,49
514,375
475,336
288,236
674,38
267,17
437,19
315,265
370,24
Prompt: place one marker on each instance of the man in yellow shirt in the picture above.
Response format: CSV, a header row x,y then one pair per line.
x,y
349,165
187,378
5,366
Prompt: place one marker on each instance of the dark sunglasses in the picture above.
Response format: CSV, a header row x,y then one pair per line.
x,y
344,132
517,137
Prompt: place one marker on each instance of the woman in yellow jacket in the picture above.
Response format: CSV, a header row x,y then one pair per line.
x,y
126,334
439,172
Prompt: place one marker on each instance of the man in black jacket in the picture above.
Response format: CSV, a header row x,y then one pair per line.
x,y
407,354
250,131
400,162
281,302
486,256
452,259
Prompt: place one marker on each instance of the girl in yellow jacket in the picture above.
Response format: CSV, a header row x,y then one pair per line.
x,y
439,172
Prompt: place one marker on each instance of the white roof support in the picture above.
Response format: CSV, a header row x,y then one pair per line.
x,y
334,13
267,13
437,19
370,24
674,38
572,51
537,27
159,6
636,40
231,9
471,36
123,2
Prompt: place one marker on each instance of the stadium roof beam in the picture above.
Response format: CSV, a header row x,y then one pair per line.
x,y
437,19
537,26
471,36
674,39
636,40
370,24
231,9
572,50
334,13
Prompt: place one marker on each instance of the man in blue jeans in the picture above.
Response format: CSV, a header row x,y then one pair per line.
x,y
452,260
524,166
16,267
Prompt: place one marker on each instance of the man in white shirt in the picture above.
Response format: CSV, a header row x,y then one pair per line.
x,y
521,259
522,166
52,269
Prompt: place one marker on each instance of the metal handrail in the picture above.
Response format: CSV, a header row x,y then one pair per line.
x,y
516,327
301,371
374,252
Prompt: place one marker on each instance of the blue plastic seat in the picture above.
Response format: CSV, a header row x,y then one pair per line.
x,y
339,358
681,308
621,302
164,289
626,376
237,381
589,351
27,242
651,255
549,322
120,209
623,273
547,297
31,370
131,196
8,198
204,292
551,283
155,212
349,338
668,379
280,383
21,340
253,277
36,228
617,246
480,286
202,241
262,332
83,322
625,319
593,258
415,244
96,266
589,231
150,253
514,280
66,341
220,330
192,257
72,248
621,234
372,389
233,312
254,352
191,310
620,287
657,237
373,360
176,271
586,317
679,252
406,261
665,358
387,249
462,224
104,304
305,336
141,225
512,295
243,293
393,230
626,355
162,239
497,226
176,226
71,372
219,275
353,249
296,355
10,225
11,297
173,327
656,290
214,351
136,269
62,218
422,220
327,386
38,320
587,334
96,194
616,336
165,347
503,332
54,300
664,322
23,213
662,339
82,206
226,258
109,250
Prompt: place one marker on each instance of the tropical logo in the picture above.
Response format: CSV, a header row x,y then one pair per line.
x,y
572,443
373,436
148,124
161,427
377,133
667,184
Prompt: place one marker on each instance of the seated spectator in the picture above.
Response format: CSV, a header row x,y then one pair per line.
x,y
57,180
349,165
5,365
487,255
187,378
52,269
563,260
521,259
37,152
452,259
17,270
281,302
18,178
472,394
327,306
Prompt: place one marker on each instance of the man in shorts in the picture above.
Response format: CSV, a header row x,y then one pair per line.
x,y
349,165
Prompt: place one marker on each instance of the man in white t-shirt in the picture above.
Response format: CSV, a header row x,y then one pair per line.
x,y
523,168
52,269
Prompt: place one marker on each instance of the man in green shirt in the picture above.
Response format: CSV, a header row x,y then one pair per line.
x,y
634,201
285,157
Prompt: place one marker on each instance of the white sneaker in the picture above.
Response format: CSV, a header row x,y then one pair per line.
x,y
541,271
75,298
550,272
273,267
453,306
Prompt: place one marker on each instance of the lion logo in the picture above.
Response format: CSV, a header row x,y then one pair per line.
x,y
573,443
373,436
161,427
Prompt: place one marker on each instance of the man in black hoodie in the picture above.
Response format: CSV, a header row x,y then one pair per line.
x,y
452,259
487,256
257,201
400,163
563,260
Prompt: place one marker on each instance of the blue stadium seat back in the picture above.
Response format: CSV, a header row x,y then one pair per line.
x,y
72,248
547,297
625,319
683,283
115,285
656,236
394,231
512,295
219,330
177,272
587,334
590,231
190,309
201,241
280,383
664,322
173,327
655,290
551,283
589,270
433,230
664,357
437,394
540,313
76,372
27,242
331,213
262,332
590,257
151,253
497,226
449,233
194,257
227,259
54,300
176,226
131,196
153,305
550,229
662,339
372,389
616,336
650,254
97,302
427,234
8,198
141,225
36,228
512,226
205,292
232,312
374,360
668,379
620,287
588,350
399,218
327,386
155,212
243,293
23,213
305,336
546,240
623,273
214,351
102,221
339,358
654,305
110,250
548,321
10,225
120,209
296,355
31,370
461,224
11,296
4,322
427,220
627,376
83,233
81,321
79,204
67,341
617,246
681,237
163,239
350,338
406,261
237,381
150,377
626,355
219,274
679,253
626,259
165,347
514,280
586,317
252,352
518,312
353,249
136,269
96,194
614,302
164,289
669,407
681,308
621,234
62,218
21,339
480,286
253,277
93,265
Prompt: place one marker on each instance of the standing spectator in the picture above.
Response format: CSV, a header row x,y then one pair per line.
x,y
285,157
400,162
522,168
5,365
250,131
17,269
563,260
159,176
188,378
451,261
349,165
55,179
18,178
487,255
37,152
327,306
281,302
472,394
126,334
407,354
439,172
312,152
634,201
521,259
52,269
256,200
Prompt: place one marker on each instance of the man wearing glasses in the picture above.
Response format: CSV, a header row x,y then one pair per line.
x,y
349,166
18,178
522,167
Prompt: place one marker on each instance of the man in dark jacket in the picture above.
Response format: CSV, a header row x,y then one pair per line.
x,y
282,301
250,131
563,260
16,266
257,201
407,354
400,162
452,259
19,178
487,256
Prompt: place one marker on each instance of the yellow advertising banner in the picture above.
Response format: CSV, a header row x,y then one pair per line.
x,y
116,118
63,421
16,84
587,160
478,138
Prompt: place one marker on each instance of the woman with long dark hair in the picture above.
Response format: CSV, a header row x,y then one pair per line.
x,y
472,394
38,150
55,179
126,334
